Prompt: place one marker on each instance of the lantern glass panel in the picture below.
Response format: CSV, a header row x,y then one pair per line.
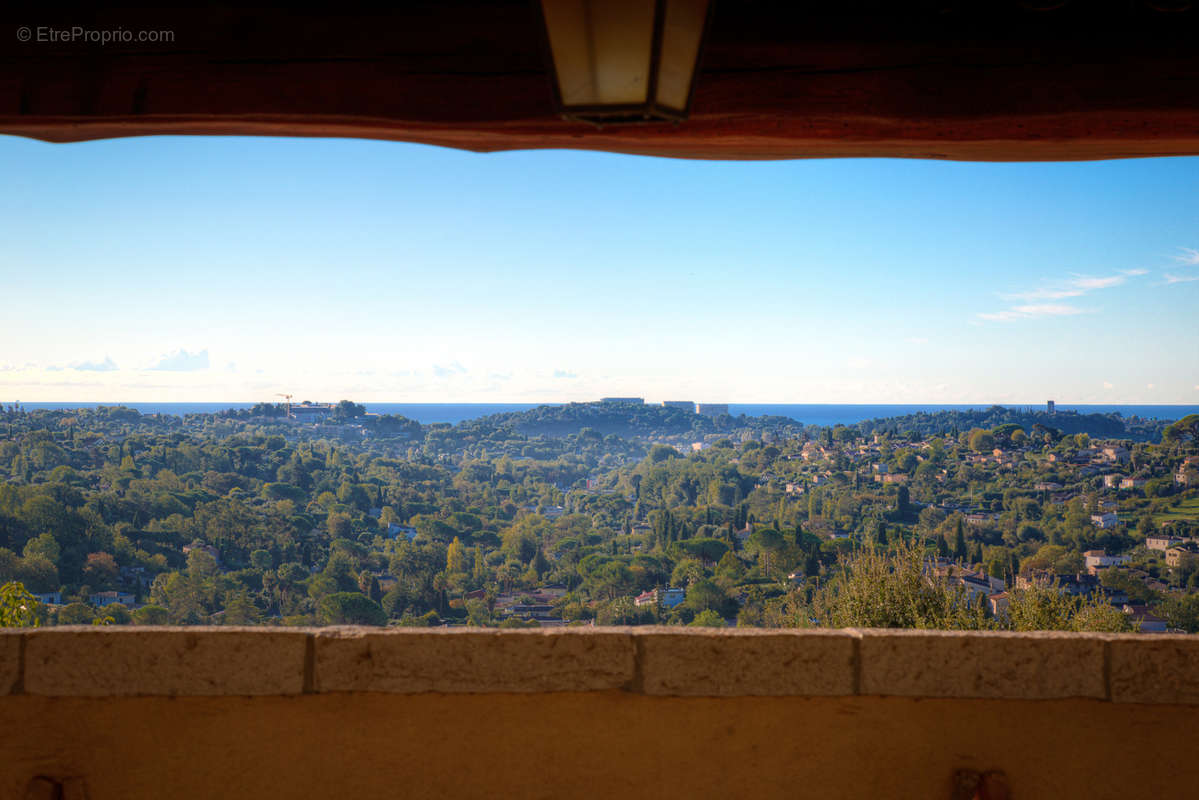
x,y
682,31
601,50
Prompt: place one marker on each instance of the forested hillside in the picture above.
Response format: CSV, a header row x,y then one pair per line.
x,y
552,517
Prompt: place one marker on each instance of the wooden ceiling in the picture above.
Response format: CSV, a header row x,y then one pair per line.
x,y
971,79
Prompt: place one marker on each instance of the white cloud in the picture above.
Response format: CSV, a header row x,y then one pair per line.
x,y
561,373
858,362
1108,385
1032,310
1048,310
1090,284
1180,278
182,361
1045,293
917,340
1075,286
1190,256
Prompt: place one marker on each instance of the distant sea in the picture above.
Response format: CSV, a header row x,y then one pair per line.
x,y
807,413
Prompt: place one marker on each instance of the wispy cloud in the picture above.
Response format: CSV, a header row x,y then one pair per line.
x,y
859,362
1189,257
917,340
1033,310
561,373
182,361
106,365
448,371
1075,286
1180,278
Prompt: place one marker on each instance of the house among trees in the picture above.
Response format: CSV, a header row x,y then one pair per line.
x,y
668,597
1096,560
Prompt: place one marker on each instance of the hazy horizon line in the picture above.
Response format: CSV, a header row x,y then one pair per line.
x,y
987,403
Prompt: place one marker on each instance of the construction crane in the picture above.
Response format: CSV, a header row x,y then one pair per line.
x,y
288,396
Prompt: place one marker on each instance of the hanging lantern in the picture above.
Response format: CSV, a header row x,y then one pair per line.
x,y
624,60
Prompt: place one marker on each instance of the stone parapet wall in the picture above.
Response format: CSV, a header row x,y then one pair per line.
x,y
241,713
131,662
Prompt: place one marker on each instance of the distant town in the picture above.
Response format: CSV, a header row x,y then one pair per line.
x,y
615,512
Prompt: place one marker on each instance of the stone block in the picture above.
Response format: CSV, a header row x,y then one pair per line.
x,y
746,662
10,660
98,662
1032,666
471,661
1154,669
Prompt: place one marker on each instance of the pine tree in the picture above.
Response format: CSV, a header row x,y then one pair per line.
x,y
959,542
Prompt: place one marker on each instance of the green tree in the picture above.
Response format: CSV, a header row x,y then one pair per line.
x,y
240,609
261,560
43,546
18,608
959,541
76,614
707,619
730,568
1042,607
117,614
347,409
877,590
706,595
981,441
1183,612
151,614
350,608
455,557
339,525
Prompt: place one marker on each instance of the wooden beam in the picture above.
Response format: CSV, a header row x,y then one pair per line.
x,y
978,81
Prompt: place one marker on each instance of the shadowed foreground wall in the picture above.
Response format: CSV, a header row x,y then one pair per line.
x,y
349,713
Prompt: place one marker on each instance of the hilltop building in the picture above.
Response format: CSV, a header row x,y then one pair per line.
x,y
711,409
311,412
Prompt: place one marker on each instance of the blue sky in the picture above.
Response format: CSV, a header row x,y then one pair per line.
x,y
229,269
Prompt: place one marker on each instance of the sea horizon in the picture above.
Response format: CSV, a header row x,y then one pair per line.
x,y
823,414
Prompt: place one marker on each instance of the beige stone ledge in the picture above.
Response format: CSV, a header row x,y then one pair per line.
x,y
1154,669
960,664
746,662
94,662
413,661
99,662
